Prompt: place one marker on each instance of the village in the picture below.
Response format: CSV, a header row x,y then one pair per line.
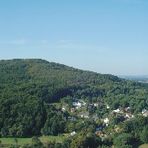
x,y
84,110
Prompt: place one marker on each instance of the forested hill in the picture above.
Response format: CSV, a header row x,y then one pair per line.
x,y
27,86
51,81
41,70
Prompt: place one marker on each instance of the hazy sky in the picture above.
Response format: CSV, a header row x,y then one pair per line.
x,y
106,36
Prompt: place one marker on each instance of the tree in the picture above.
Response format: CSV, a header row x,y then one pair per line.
x,y
116,120
36,143
55,123
144,135
0,143
84,140
123,140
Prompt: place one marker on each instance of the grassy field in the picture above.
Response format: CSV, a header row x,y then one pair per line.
x,y
22,141
9,141
144,146
44,139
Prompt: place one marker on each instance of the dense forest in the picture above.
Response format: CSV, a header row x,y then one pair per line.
x,y
29,88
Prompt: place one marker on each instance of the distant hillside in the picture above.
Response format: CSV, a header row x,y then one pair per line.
x,y
27,86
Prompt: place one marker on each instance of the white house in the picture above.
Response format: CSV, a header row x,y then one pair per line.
x,y
84,115
127,109
73,133
145,113
63,109
107,106
96,104
77,104
106,121
128,116
116,110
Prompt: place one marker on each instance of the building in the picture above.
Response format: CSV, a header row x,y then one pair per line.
x,y
106,121
73,133
84,115
77,104
145,113
116,111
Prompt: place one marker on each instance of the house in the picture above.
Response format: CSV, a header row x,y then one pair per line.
x,y
106,121
116,111
96,104
84,115
128,116
145,113
127,109
107,106
63,109
72,110
71,118
77,104
73,133
101,134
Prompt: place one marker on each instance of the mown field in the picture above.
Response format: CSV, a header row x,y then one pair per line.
x,y
144,146
44,139
22,141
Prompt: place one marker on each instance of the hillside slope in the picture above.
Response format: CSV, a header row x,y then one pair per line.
x,y
48,78
26,86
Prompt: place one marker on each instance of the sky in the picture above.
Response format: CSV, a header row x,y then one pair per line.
x,y
105,36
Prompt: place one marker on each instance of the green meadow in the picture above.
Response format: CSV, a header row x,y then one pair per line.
x,y
22,141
